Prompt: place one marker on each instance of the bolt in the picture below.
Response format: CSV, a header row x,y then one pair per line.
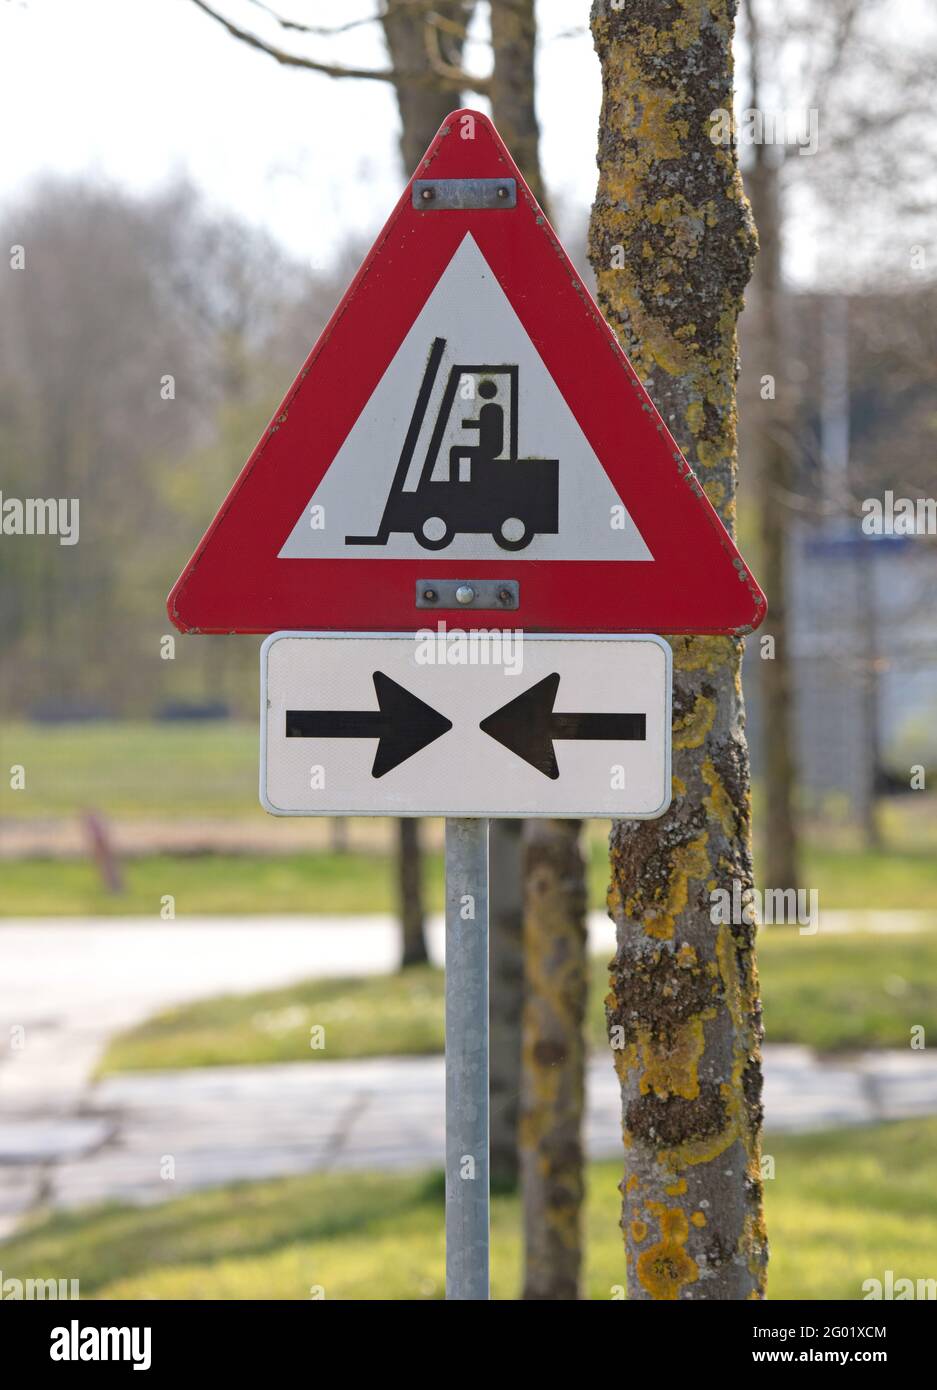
x,y
465,593
428,194
430,595
505,595
502,191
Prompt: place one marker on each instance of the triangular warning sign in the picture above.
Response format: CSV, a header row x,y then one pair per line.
x,y
467,414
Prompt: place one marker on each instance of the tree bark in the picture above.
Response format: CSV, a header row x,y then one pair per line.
x,y
672,245
513,83
410,885
775,483
423,108
506,998
553,1077
554,938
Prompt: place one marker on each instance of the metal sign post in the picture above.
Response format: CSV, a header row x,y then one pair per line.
x,y
466,1058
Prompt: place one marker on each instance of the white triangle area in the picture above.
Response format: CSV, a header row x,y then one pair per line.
x,y
469,310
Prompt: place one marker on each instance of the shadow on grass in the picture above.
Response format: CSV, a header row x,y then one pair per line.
x,y
110,1241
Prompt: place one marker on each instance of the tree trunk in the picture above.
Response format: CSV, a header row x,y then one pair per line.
x,y
410,883
553,1078
775,483
506,998
554,938
409,36
513,39
672,244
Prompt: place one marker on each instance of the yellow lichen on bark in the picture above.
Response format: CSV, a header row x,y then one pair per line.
x,y
671,244
625,1059
701,653
718,803
670,1069
553,1070
690,729
666,1268
670,897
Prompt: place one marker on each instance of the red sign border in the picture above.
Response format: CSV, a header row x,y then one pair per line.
x,y
697,581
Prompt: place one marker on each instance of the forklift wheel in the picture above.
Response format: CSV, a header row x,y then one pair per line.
x,y
434,541
513,541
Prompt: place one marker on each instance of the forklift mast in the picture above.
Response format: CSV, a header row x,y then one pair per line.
x,y
409,445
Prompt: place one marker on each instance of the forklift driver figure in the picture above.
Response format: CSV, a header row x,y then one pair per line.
x,y
490,427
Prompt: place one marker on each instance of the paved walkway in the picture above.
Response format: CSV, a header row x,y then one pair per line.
x,y
221,1124
71,985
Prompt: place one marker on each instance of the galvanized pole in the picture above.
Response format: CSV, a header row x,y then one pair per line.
x,y
466,1058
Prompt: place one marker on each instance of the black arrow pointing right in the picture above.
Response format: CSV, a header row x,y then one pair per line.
x,y
402,725
528,724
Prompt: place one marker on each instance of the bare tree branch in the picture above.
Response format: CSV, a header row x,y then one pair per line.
x,y
441,73
839,43
293,60
438,63
446,25
318,30
432,17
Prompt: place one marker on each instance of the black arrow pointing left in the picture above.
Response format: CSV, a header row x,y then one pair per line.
x,y
402,725
527,726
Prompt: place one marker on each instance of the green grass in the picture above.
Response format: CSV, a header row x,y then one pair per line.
x,y
132,769
363,1017
155,771
835,993
323,882
886,880
209,883
842,1208
848,991
317,882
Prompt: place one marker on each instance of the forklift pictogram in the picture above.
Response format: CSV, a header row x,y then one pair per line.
x,y
484,488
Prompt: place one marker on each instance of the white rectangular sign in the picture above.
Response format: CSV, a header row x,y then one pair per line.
x,y
462,723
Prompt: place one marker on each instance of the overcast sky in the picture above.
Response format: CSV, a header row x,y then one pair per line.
x,y
138,91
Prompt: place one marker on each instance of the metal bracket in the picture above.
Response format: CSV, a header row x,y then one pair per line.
x,y
468,593
437,195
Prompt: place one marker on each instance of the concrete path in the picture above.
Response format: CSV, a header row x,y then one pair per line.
x,y
71,984
222,1124
65,987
